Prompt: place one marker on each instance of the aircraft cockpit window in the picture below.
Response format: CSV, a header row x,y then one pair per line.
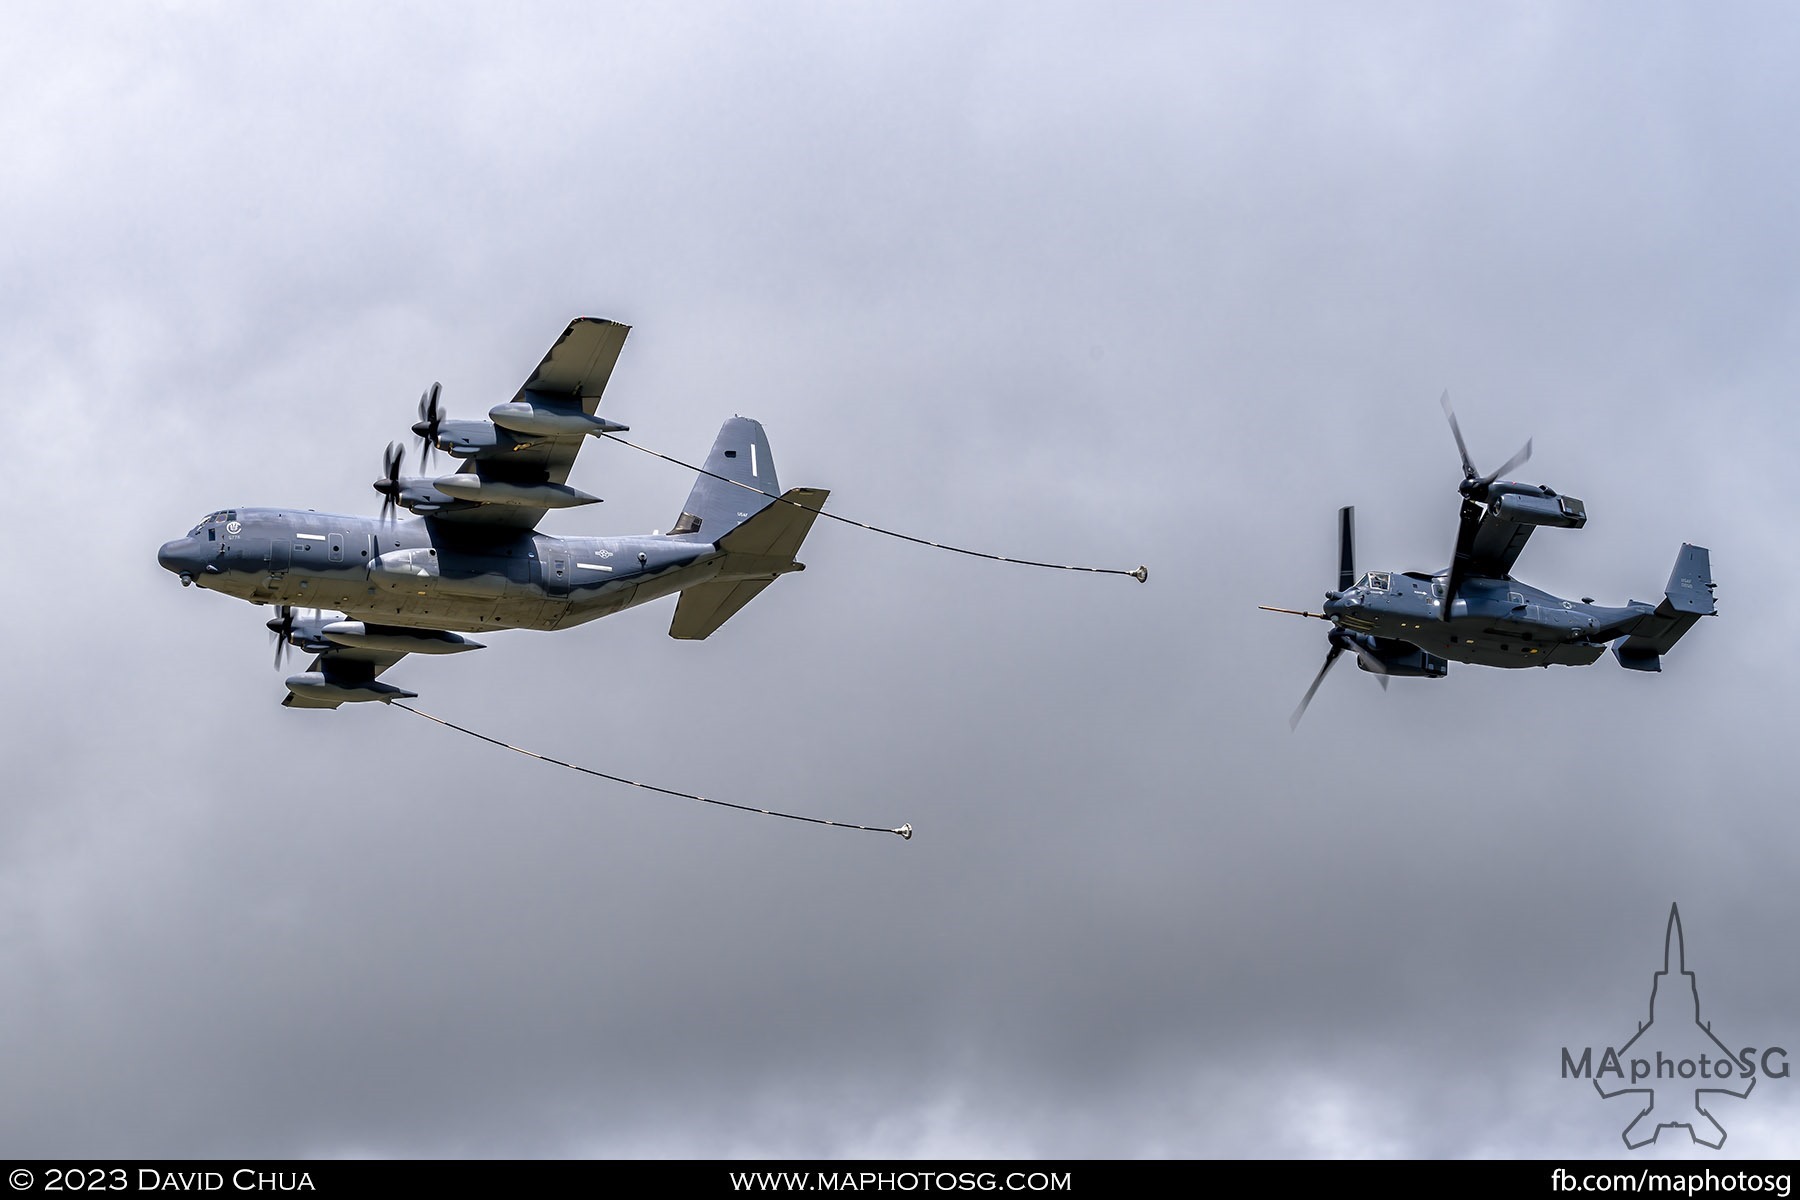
x,y
1378,581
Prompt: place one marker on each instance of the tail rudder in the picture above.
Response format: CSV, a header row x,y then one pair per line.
x,y
1688,597
715,507
1690,589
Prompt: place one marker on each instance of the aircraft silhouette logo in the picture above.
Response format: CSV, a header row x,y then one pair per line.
x,y
1674,1060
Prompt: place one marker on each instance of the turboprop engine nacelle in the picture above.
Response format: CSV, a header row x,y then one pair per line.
x,y
524,495
541,416
399,641
1562,512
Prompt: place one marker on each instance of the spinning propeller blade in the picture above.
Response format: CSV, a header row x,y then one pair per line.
x,y
431,420
1474,488
389,484
1331,656
1468,525
1474,482
1516,460
1346,547
282,626
1462,448
1346,580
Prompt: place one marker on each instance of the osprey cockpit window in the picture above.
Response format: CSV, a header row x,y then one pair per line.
x,y
1378,581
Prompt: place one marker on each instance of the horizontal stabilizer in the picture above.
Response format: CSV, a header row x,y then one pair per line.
x,y
778,530
704,608
757,552
1688,597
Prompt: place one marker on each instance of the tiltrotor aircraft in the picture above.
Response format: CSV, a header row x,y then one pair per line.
x,y
471,560
1474,611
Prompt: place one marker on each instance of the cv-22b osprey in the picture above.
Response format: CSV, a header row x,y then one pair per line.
x,y
1410,623
470,560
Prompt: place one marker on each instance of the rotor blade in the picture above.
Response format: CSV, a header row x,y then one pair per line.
x,y
1469,471
431,419
1470,524
281,626
1523,454
1331,656
1346,547
389,486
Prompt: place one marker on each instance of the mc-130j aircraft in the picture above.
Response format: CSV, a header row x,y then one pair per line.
x,y
472,561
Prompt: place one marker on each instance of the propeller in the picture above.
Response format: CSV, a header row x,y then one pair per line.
x,y
1331,656
1475,484
282,626
1474,487
1346,547
430,422
1467,526
1340,641
389,484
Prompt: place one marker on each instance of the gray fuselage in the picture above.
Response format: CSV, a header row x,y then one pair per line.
x,y
1493,622
406,573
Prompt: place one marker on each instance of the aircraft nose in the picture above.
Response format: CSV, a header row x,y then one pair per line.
x,y
183,556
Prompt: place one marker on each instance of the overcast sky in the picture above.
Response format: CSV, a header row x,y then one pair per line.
x,y
1102,284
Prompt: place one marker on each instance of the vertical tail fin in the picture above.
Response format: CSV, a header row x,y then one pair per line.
x,y
1688,597
715,507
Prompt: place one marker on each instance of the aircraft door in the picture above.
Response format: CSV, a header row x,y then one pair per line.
x,y
278,553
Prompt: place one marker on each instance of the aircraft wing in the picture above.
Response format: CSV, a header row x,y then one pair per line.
x,y
576,368
1496,546
345,666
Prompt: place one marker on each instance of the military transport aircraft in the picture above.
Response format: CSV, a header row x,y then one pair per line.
x,y
471,560
1474,611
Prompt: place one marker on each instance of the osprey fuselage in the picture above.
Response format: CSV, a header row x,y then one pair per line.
x,y
1492,622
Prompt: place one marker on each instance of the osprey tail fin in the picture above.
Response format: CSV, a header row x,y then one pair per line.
x,y
1688,597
